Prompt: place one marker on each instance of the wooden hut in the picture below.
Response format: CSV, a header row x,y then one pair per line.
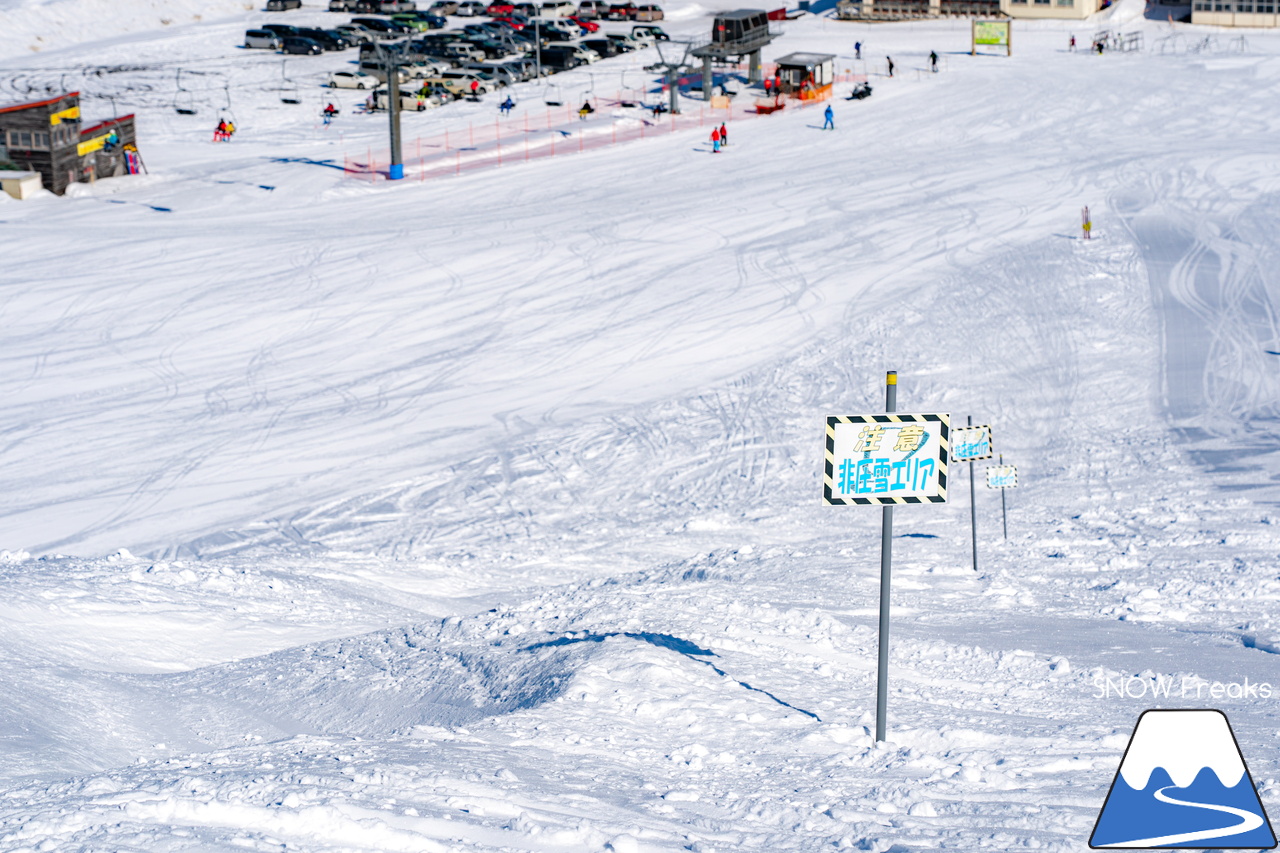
x,y
807,76
48,137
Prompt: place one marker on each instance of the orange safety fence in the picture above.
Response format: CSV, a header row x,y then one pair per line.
x,y
537,133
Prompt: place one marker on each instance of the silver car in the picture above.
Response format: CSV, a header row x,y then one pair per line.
x,y
264,39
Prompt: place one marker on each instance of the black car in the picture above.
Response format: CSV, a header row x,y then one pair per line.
x,y
282,30
328,39
559,58
606,47
283,5
382,27
491,48
304,46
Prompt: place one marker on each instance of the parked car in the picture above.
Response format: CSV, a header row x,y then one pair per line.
x,y
301,45
492,48
264,39
283,5
497,9
515,22
342,5
352,80
649,13
420,21
424,68
584,24
556,8
591,9
606,47
413,101
654,32
502,74
328,39
454,87
282,30
621,12
552,33
355,33
443,7
642,39
470,9
623,41
560,57
486,82
585,54
381,28
391,7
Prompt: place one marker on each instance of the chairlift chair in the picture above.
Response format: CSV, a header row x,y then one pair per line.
x,y
552,95
288,89
226,113
183,99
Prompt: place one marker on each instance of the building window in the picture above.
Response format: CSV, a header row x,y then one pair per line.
x,y
1067,3
27,140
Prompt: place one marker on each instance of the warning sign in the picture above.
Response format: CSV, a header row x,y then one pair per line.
x,y
1002,477
886,459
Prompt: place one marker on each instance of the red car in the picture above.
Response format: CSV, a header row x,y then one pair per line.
x,y
587,26
622,12
496,9
512,21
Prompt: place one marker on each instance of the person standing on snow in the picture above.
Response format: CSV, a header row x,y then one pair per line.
x,y
1072,44
829,119
715,140
890,61
857,50
933,61
724,136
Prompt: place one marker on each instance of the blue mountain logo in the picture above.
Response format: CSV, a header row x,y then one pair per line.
x,y
1183,784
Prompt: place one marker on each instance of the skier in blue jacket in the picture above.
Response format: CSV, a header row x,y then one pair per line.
x,y
829,115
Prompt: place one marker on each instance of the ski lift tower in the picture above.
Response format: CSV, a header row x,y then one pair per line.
x,y
733,36
671,68
391,61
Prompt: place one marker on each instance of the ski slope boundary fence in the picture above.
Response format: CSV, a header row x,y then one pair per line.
x,y
536,133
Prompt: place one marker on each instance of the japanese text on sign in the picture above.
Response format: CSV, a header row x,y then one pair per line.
x,y
882,459
971,443
1002,477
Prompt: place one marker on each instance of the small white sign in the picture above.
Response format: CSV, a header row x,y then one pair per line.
x,y
886,459
971,442
1002,477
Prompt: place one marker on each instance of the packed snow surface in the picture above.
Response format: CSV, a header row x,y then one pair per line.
x,y
481,512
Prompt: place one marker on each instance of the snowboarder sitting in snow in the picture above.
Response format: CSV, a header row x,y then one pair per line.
x,y
507,106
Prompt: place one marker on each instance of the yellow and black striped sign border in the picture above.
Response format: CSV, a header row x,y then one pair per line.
x,y
1015,477
991,443
943,422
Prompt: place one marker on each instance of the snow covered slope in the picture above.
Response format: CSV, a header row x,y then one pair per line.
x,y
481,513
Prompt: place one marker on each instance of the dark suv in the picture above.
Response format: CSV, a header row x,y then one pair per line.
x,y
559,58
304,46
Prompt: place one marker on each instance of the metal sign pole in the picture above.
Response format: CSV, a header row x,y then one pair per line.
x,y
1004,515
886,563
973,512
